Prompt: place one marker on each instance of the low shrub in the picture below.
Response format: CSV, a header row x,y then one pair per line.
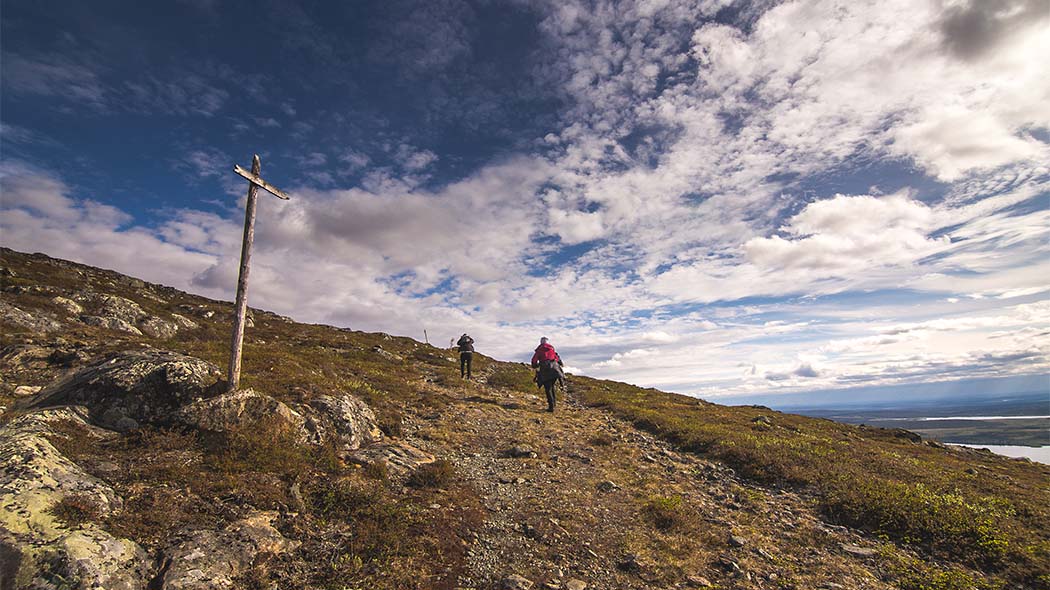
x,y
438,474
667,513
76,509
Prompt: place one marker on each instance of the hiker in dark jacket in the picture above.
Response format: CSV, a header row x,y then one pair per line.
x,y
466,354
549,372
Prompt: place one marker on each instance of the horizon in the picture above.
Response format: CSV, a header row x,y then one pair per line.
x,y
719,199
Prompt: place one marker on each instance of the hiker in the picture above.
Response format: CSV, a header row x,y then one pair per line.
x,y
549,370
466,354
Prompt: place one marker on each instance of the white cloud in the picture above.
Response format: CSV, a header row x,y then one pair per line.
x,y
681,169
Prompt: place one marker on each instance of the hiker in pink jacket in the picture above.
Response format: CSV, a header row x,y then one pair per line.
x,y
549,372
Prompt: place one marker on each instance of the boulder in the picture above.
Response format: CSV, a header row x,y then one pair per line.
x,y
515,582
111,306
400,457
18,317
208,559
239,408
71,307
133,387
39,551
110,323
344,420
183,322
155,327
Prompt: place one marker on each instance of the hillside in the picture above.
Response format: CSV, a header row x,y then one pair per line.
x,y
130,468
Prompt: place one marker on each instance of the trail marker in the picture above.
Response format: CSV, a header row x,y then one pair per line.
x,y
241,307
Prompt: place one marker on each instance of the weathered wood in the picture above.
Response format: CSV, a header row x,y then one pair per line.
x,y
254,179
241,306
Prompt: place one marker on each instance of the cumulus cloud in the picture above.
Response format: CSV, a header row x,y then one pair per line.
x,y
684,223
850,232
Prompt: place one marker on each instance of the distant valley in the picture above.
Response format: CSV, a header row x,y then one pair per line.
x,y
1019,419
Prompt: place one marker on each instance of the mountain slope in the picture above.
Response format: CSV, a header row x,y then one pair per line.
x,y
622,487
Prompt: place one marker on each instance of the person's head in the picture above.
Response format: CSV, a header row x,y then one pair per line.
x,y
544,340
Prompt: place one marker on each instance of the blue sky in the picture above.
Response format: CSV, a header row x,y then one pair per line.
x,y
707,196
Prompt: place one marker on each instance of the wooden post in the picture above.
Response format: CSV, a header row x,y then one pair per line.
x,y
241,306
425,339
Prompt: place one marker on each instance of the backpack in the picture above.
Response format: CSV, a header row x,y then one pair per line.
x,y
550,370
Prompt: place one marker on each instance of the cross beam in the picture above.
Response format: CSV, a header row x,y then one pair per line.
x,y
241,307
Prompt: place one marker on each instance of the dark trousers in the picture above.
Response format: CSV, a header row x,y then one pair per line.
x,y
464,363
548,387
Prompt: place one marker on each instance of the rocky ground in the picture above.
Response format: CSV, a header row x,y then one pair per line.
x,y
354,460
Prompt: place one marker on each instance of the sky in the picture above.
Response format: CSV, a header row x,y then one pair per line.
x,y
713,197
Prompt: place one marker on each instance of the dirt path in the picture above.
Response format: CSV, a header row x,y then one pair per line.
x,y
579,494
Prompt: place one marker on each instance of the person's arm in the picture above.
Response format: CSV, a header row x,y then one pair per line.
x,y
558,357
535,359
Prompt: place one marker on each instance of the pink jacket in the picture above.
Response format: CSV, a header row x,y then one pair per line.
x,y
545,352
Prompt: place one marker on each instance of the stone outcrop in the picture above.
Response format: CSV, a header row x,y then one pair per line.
x,y
18,317
206,559
237,409
131,388
39,551
400,457
121,314
110,323
344,420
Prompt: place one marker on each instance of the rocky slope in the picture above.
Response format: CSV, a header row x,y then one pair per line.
x,y
355,460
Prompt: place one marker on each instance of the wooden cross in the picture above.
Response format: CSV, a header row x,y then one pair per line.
x,y
254,182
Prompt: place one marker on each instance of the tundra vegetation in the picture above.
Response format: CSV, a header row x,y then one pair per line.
x,y
626,487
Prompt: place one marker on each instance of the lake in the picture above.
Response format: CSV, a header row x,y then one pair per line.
x,y
1039,454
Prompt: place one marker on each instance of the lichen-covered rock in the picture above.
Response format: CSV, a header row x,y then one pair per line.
x,y
157,328
207,559
111,306
72,307
400,457
38,550
110,323
34,322
138,386
239,408
344,420
183,322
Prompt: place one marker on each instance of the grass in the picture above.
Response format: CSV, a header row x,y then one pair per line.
x,y
986,532
874,479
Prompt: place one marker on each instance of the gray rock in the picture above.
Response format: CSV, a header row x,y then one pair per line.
x,y
155,327
856,551
521,452
38,548
239,408
698,582
24,390
607,486
18,317
344,420
184,322
207,559
110,323
630,563
72,307
736,541
400,457
515,582
145,386
575,584
114,306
